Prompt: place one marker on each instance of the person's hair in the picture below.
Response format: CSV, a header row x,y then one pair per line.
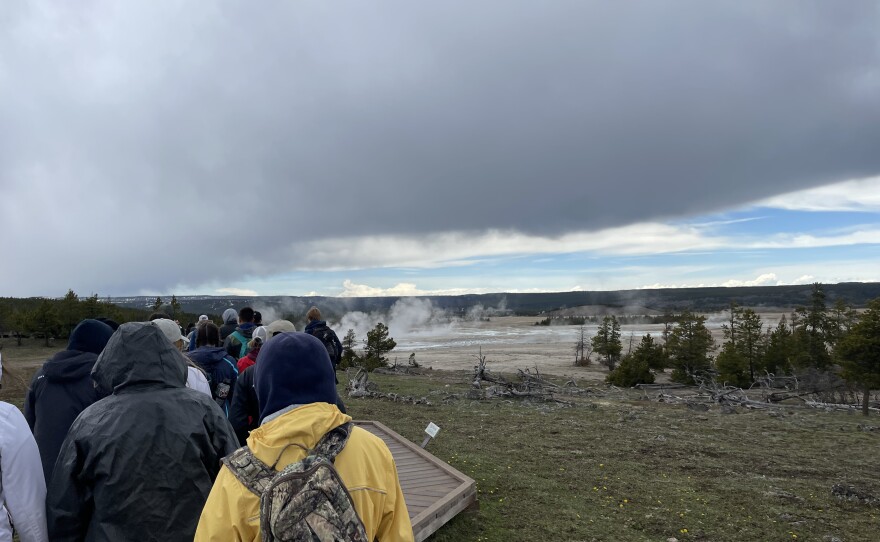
x,y
159,316
258,317
255,343
313,314
189,327
208,335
246,314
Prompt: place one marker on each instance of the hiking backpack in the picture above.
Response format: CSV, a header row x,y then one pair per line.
x,y
306,501
328,337
244,343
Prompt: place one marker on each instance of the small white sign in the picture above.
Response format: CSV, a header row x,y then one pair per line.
x,y
432,430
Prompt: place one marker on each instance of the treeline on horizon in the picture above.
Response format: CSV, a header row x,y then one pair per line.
x,y
56,318
707,299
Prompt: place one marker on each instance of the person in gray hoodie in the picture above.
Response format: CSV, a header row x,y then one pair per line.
x,y
230,323
63,388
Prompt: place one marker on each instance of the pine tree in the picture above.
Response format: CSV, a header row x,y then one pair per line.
x,y
69,312
635,368
859,352
812,331
44,319
843,316
606,342
780,350
378,343
349,356
175,306
688,347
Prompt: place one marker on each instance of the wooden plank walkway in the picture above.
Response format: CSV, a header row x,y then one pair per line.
x,y
434,491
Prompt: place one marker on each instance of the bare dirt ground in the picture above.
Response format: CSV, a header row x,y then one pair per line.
x,y
515,342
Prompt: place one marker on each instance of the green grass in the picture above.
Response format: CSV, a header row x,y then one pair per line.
x,y
638,470
623,469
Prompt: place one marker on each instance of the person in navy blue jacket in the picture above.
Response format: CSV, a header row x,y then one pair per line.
x,y
63,388
216,363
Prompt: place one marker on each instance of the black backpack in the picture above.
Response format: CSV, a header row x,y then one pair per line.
x,y
328,337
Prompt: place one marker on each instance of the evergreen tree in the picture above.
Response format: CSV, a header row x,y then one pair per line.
x,y
812,331
378,343
19,322
780,348
175,307
69,312
859,352
606,342
349,357
732,366
751,341
91,307
157,305
688,347
729,329
843,316
635,368
44,320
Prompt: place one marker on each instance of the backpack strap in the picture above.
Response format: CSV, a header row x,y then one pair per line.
x,y
250,471
333,442
256,475
242,340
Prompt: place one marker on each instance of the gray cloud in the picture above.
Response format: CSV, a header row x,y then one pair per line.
x,y
150,145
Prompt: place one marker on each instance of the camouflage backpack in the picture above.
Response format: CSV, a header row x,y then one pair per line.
x,y
306,501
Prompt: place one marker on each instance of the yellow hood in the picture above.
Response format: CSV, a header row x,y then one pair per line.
x,y
365,466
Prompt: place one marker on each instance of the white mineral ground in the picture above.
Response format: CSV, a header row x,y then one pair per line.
x,y
515,342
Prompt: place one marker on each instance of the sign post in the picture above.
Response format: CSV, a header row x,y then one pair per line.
x,y
432,431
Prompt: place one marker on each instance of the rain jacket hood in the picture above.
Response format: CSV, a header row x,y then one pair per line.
x,y
69,365
294,369
230,316
90,336
139,355
139,464
365,466
59,391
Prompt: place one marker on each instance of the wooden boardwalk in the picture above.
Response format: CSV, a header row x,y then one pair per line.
x,y
434,491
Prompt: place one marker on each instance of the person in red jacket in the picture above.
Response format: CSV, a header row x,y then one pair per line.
x,y
258,338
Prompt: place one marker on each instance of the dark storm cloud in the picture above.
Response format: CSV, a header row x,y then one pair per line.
x,y
149,145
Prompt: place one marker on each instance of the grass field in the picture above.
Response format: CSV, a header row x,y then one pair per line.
x,y
620,468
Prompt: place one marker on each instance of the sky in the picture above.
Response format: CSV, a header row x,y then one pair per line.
x,y
413,148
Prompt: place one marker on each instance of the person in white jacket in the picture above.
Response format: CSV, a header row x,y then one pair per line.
x,y
22,487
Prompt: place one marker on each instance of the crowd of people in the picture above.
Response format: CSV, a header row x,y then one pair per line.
x,y
142,432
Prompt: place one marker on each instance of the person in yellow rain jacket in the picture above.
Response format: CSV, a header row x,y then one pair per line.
x,y
295,384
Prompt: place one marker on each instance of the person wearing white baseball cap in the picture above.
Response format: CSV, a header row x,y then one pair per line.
x,y
22,486
195,378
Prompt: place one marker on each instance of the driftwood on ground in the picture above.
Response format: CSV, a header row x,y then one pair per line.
x,y
530,385
359,385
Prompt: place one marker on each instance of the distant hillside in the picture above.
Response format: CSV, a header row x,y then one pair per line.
x,y
633,301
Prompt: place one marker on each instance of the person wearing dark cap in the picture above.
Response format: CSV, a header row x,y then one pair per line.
x,y
62,388
139,464
294,380
236,344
